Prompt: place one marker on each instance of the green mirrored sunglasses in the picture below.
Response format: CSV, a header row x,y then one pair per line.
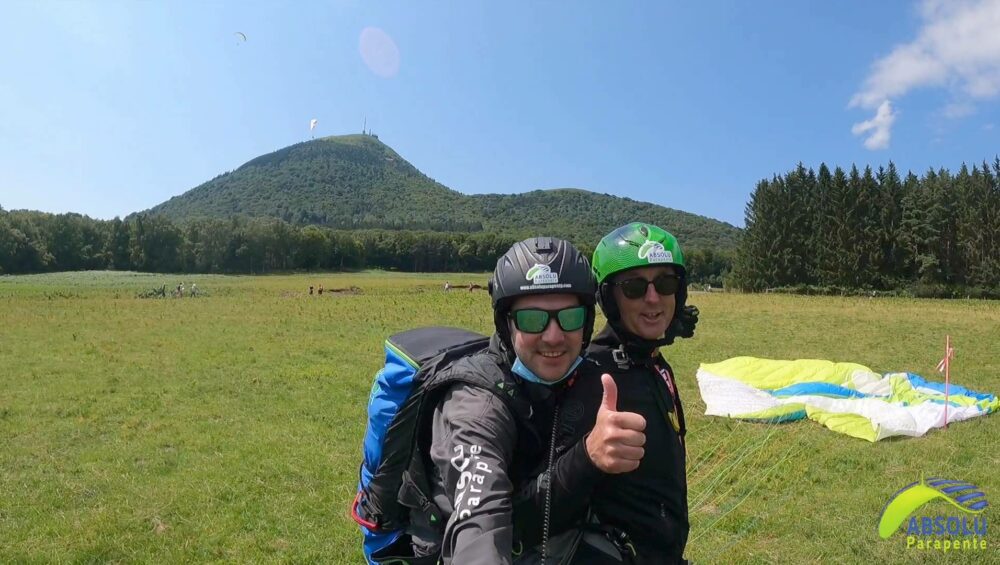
x,y
535,320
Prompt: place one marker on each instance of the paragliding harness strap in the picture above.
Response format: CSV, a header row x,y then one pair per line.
x,y
673,411
600,536
677,414
620,357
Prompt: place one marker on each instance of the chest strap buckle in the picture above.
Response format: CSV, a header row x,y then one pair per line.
x,y
620,357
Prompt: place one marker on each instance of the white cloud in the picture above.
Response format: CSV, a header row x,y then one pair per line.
x,y
879,127
988,127
957,48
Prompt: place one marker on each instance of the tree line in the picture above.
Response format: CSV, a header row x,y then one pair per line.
x,y
38,242
936,235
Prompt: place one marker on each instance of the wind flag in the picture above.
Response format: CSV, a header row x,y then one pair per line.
x,y
944,366
946,360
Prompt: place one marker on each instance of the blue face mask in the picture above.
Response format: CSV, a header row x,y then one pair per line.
x,y
522,370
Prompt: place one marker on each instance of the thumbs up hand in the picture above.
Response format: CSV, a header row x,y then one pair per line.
x,y
615,445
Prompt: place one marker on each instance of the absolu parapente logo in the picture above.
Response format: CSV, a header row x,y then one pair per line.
x,y
541,274
941,532
653,252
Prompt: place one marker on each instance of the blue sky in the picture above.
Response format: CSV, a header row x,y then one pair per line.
x,y
108,108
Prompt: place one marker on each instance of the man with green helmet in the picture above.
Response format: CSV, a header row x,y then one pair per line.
x,y
637,438
628,302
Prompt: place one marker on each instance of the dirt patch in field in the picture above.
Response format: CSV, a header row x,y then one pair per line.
x,y
348,290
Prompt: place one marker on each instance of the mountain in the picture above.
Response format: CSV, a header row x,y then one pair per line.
x,y
358,182
581,215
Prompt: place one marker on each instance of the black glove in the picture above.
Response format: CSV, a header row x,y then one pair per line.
x,y
683,324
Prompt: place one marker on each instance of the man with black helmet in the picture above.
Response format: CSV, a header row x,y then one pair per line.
x,y
487,444
641,503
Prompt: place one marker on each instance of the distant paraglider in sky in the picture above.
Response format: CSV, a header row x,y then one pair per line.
x,y
312,126
240,37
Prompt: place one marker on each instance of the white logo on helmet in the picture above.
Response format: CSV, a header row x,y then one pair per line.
x,y
541,274
653,252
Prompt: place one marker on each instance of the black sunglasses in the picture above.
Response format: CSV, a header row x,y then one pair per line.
x,y
535,320
665,285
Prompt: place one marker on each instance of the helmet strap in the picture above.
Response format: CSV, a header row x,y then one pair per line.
x,y
637,347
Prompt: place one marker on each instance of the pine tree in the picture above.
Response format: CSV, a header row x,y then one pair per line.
x,y
758,263
825,221
889,212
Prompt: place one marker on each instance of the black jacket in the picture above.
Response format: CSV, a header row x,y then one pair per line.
x,y
650,503
484,460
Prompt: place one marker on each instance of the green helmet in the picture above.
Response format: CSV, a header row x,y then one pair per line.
x,y
635,245
631,246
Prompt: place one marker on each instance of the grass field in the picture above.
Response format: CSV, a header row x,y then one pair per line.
x,y
227,427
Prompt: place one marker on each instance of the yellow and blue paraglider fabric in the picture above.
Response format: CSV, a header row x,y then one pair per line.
x,y
845,397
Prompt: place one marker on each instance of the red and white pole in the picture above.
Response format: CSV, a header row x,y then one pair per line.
x,y
947,375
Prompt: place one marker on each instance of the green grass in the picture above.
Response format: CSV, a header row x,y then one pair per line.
x,y
228,427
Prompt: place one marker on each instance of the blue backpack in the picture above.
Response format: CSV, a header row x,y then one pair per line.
x,y
405,392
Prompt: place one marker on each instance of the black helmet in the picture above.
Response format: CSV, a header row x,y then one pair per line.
x,y
541,265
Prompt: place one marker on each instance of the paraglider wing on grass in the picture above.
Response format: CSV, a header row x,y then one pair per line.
x,y
845,397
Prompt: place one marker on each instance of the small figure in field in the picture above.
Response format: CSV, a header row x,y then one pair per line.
x,y
194,289
320,290
310,290
447,285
